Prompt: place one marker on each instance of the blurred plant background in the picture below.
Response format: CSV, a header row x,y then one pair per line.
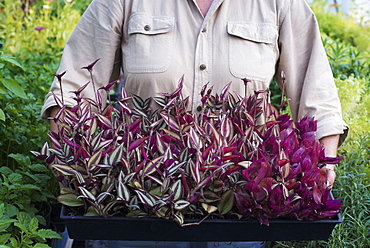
x,y
32,36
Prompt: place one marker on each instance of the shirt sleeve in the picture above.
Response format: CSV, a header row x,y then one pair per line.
x,y
96,36
309,80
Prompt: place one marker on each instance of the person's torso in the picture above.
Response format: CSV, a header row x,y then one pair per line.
x,y
166,39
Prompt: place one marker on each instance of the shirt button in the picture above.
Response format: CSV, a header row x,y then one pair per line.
x,y
204,30
202,67
146,27
199,108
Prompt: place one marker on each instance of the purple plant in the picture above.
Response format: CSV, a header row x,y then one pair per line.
x,y
237,159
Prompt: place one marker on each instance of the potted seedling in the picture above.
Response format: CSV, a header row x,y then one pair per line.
x,y
237,170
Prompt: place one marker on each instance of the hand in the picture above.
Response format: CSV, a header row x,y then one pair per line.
x,y
331,175
330,144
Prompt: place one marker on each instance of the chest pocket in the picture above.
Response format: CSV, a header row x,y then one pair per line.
x,y
252,50
150,43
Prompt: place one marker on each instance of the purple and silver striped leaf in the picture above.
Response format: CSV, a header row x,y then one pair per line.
x,y
181,204
55,141
103,144
94,159
137,102
137,143
174,168
165,184
202,184
212,131
195,172
86,194
123,193
179,218
194,139
224,90
148,201
116,155
96,140
121,176
177,92
125,164
102,196
80,178
226,128
161,146
171,122
102,166
160,101
71,144
172,134
85,114
177,190
65,170
124,106
105,122
150,168
170,104
139,112
155,179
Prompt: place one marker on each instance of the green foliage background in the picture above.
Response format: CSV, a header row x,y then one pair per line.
x,y
29,57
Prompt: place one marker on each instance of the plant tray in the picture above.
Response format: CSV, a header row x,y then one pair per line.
x,y
156,229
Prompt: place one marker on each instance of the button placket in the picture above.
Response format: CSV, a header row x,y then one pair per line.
x,y
202,58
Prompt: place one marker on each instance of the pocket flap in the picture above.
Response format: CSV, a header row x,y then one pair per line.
x,y
263,33
145,24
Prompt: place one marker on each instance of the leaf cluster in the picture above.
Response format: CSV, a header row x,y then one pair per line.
x,y
22,230
236,158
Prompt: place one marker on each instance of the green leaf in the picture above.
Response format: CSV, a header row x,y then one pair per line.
x,y
70,200
23,221
14,87
4,239
38,168
5,170
20,158
227,202
27,187
33,225
10,210
2,115
4,224
11,60
48,234
15,178
40,245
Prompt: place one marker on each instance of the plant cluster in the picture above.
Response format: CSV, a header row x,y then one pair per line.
x,y
237,159
346,61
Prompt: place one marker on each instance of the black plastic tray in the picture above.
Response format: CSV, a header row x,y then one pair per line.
x,y
156,229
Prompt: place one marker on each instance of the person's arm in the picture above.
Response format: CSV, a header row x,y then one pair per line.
x,y
309,80
98,35
330,144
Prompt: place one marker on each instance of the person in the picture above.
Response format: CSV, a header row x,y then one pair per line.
x,y
155,43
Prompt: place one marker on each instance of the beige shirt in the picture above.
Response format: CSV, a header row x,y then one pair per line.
x,y
156,42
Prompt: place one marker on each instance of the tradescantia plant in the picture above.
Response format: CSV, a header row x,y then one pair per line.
x,y
236,159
